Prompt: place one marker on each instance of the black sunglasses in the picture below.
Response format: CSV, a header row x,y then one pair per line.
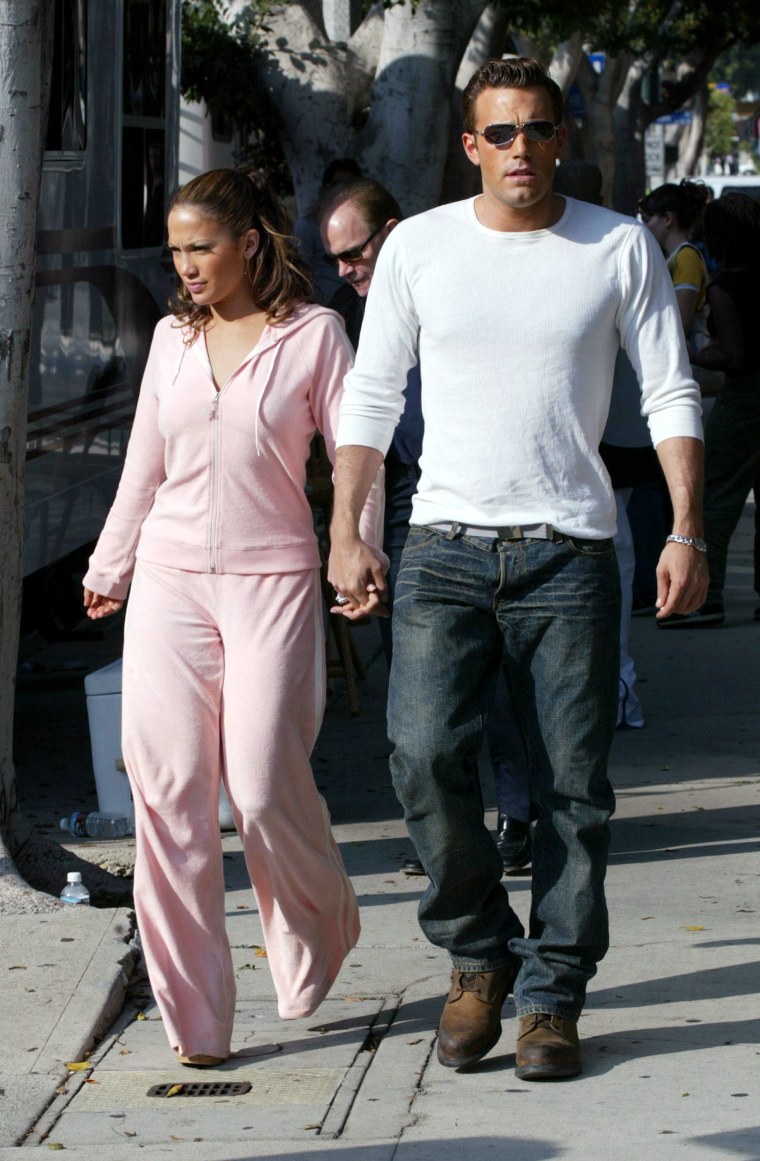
x,y
355,254
504,134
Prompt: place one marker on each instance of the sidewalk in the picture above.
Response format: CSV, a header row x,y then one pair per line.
x,y
671,1033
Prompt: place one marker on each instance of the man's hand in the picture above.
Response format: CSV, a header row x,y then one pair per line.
x,y
682,580
357,571
682,575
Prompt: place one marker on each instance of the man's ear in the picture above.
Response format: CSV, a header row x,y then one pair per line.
x,y
391,224
561,142
470,143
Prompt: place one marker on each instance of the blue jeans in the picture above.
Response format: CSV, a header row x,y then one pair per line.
x,y
554,610
508,752
400,485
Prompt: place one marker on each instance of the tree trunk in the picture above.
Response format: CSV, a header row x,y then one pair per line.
x,y
383,98
566,60
25,36
406,136
600,93
630,171
692,141
633,117
461,178
305,79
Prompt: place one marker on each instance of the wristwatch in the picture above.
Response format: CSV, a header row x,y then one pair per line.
x,y
691,541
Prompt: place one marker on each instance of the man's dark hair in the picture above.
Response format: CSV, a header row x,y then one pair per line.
x,y
373,201
518,72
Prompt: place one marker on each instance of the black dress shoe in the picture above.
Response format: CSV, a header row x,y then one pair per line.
x,y
413,866
514,843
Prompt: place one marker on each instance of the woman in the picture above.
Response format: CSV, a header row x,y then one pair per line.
x,y
672,212
732,433
224,656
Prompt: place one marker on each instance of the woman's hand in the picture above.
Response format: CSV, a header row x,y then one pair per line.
x,y
98,606
357,572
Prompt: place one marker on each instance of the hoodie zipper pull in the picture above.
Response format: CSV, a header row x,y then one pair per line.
x,y
212,409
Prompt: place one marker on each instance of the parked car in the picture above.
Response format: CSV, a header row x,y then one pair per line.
x,y
720,183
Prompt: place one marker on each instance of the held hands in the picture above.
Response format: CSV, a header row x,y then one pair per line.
x,y
98,606
357,572
682,580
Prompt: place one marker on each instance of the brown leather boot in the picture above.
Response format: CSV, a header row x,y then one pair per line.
x,y
547,1047
471,1019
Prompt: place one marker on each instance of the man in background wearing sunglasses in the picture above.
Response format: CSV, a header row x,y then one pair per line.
x,y
516,302
355,220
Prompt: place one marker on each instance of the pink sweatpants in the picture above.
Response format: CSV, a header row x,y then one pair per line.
x,y
224,678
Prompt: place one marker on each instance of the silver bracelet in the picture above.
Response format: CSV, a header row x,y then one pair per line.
x,y
691,541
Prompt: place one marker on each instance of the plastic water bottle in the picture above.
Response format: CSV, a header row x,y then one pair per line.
x,y
75,890
97,824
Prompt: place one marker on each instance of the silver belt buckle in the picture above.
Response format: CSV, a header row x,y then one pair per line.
x,y
529,532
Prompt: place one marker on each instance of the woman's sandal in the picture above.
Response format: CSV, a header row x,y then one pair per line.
x,y
201,1061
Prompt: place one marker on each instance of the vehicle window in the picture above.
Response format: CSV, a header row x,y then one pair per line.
x,y
67,121
144,124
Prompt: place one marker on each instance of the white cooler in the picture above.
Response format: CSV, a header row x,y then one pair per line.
x,y
103,692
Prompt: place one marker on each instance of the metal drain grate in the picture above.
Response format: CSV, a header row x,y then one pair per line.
x,y
199,1088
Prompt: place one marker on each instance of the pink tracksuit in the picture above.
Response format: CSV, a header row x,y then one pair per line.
x,y
224,665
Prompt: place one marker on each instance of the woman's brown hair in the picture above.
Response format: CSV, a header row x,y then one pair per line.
x,y
686,202
242,200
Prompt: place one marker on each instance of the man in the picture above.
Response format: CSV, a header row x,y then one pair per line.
x,y
306,229
355,221
516,301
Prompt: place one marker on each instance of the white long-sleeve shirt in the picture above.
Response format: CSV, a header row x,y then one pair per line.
x,y
516,335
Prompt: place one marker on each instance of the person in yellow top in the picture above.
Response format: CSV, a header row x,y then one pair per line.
x,y
671,213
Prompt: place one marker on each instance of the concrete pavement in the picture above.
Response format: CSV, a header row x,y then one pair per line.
x,y
671,1033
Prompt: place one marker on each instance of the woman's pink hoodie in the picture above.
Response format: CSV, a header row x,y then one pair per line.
x,y
214,480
